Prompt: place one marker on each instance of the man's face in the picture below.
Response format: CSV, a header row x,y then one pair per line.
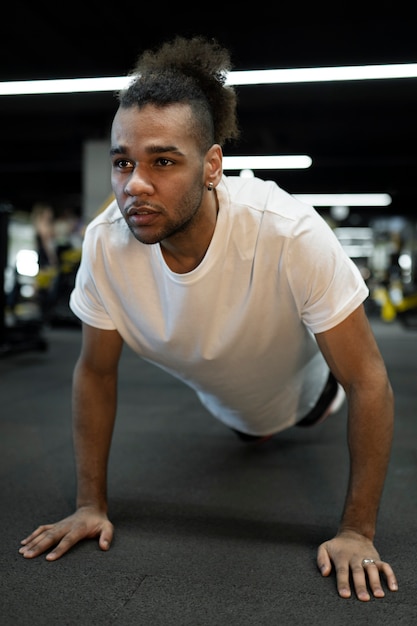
x,y
158,172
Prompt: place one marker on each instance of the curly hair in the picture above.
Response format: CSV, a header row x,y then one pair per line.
x,y
189,71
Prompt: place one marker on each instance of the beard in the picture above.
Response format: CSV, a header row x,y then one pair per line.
x,y
183,218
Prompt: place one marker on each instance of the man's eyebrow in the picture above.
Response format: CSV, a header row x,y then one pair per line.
x,y
155,149
117,150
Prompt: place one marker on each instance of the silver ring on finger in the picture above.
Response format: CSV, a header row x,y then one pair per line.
x,y
366,562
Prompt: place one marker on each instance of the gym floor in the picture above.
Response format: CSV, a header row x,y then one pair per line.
x,y
209,530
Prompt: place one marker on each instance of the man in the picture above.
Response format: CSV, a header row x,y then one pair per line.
x,y
231,285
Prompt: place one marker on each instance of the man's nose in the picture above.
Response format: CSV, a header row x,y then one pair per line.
x,y
139,182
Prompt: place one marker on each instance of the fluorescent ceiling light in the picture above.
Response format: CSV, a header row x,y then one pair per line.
x,y
250,77
63,85
268,162
345,199
323,74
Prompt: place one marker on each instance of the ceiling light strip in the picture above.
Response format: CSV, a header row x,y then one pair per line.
x,y
345,199
267,162
249,77
323,74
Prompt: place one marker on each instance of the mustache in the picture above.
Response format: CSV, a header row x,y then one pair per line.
x,y
143,205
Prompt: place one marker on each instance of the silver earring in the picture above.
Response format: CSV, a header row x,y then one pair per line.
x,y
210,187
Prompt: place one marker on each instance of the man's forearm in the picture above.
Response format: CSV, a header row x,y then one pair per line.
x,y
370,430
94,410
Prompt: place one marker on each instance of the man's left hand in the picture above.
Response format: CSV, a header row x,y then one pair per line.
x,y
353,554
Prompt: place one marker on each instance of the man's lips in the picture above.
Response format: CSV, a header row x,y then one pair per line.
x,y
141,216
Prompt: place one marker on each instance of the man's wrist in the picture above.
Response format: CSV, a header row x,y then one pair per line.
x,y
357,529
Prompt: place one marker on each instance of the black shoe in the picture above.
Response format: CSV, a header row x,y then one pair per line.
x,y
251,438
329,402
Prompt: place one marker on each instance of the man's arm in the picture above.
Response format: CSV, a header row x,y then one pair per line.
x,y
94,400
352,353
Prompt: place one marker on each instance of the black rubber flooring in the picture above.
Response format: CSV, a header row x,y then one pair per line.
x,y
209,531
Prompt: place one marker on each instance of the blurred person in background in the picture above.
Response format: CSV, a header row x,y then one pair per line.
x,y
231,285
43,220
69,237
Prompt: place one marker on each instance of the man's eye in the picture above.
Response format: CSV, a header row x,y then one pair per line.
x,y
164,162
122,164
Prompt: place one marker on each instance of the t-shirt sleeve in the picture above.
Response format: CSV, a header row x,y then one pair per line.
x,y
327,284
85,299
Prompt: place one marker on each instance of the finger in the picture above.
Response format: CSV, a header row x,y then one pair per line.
x,y
389,575
359,583
374,571
40,542
63,546
323,561
342,581
106,537
36,533
371,570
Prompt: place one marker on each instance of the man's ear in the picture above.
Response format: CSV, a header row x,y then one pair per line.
x,y
214,165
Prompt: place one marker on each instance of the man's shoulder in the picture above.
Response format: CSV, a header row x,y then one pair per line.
x,y
110,214
264,195
245,187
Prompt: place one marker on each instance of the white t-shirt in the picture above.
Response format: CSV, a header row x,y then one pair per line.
x,y
238,328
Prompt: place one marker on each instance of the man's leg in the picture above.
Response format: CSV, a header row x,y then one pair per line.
x,y
329,402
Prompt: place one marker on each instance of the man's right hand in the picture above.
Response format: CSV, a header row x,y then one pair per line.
x,y
85,523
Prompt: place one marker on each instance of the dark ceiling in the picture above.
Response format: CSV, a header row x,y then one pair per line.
x,y
361,135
